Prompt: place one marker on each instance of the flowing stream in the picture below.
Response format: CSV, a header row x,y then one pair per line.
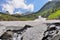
x,y
17,36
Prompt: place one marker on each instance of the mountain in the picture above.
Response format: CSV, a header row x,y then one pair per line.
x,y
15,17
49,9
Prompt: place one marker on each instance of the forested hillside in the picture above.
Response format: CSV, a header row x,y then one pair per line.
x,y
50,10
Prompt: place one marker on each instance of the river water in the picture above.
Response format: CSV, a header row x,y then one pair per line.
x,y
17,36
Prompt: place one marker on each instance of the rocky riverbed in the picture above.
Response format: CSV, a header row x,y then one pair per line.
x,y
17,30
33,33
24,30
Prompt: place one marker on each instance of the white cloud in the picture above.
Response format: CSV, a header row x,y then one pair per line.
x,y
12,4
31,7
9,8
49,0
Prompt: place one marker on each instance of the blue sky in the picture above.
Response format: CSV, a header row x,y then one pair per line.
x,y
37,3
25,5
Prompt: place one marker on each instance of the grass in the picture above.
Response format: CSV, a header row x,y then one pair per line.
x,y
7,17
54,15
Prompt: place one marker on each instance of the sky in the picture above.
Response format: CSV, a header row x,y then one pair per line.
x,y
21,6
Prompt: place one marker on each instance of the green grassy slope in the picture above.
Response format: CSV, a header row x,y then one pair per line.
x,y
55,15
50,10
